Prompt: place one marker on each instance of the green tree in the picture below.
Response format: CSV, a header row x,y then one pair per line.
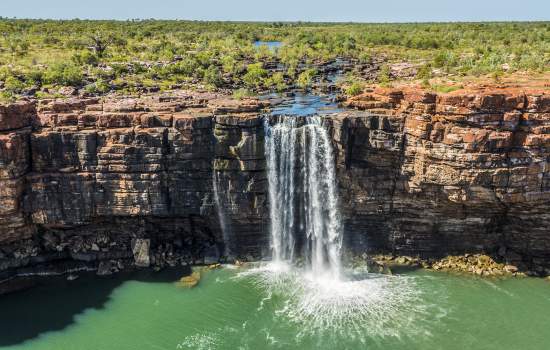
x,y
305,79
213,76
255,75
64,74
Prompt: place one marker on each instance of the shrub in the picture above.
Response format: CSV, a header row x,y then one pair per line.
x,y
188,67
50,40
497,76
34,76
18,46
84,57
365,57
384,76
63,74
446,88
425,84
6,97
277,82
305,79
354,89
229,64
440,60
255,74
13,85
120,69
242,93
99,86
425,72
101,73
213,76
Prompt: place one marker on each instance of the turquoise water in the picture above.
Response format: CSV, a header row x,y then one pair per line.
x,y
257,309
303,104
272,45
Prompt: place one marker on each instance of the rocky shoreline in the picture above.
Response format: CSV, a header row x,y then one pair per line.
x,y
467,264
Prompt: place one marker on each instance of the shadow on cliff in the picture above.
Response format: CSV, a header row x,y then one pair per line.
x,y
52,306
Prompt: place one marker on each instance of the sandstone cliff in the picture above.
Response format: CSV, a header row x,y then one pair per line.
x,y
454,173
84,181
99,182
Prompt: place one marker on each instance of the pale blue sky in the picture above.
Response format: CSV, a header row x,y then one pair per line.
x,y
283,10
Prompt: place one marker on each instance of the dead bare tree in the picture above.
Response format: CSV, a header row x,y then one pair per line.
x,y
100,43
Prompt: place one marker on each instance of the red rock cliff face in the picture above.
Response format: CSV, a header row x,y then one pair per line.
x,y
453,173
86,182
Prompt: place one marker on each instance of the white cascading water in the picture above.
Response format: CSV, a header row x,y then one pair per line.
x,y
224,224
302,194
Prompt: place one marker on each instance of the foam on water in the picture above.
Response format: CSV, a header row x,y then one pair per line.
x,y
199,342
362,307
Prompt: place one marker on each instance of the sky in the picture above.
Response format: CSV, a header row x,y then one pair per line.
x,y
283,10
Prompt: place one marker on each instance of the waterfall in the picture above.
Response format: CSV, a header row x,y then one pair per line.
x,y
222,219
302,194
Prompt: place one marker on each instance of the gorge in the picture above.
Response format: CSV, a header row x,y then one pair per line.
x,y
109,185
292,185
94,183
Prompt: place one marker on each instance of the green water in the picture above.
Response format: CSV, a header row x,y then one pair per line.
x,y
232,310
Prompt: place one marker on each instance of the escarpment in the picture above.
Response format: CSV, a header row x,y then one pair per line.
x,y
111,183
428,174
90,183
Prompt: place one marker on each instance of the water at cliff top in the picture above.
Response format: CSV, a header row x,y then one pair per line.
x,y
272,45
302,104
233,309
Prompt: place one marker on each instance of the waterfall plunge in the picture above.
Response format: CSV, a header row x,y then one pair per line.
x,y
302,194
304,217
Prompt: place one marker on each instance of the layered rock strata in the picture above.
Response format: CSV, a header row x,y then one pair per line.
x,y
111,183
432,175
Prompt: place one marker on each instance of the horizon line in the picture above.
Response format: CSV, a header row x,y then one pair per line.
x,y
2,18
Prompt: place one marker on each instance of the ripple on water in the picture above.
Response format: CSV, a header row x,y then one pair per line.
x,y
199,341
364,307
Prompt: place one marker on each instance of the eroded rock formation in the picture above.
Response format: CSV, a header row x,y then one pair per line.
x,y
90,182
460,172
86,181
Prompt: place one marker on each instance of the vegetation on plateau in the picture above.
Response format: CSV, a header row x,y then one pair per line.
x,y
43,58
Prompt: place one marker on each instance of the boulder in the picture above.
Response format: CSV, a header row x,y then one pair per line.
x,y
190,281
140,249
